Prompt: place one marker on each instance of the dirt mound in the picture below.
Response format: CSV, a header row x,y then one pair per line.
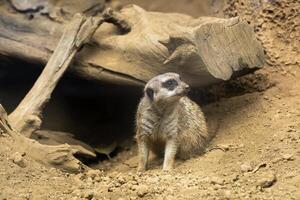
x,y
259,132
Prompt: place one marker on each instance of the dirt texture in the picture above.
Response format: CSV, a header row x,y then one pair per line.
x,y
258,127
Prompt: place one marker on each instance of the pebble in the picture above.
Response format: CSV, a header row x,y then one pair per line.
x,y
267,180
76,192
226,147
288,157
89,194
18,159
142,190
246,167
94,174
227,194
217,180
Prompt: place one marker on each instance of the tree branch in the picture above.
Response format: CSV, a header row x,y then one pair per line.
x,y
26,118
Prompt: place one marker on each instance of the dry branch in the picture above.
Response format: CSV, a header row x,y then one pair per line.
x,y
61,156
26,118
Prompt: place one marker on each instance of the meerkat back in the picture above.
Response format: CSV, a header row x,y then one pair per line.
x,y
192,134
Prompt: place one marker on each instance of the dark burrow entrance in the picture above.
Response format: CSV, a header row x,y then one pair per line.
x,y
97,113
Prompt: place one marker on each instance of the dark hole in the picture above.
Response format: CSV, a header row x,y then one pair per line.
x,y
97,113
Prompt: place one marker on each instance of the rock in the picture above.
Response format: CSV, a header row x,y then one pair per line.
x,y
93,174
226,194
226,147
89,194
217,180
18,159
235,177
246,167
142,190
76,192
121,180
291,129
267,180
288,157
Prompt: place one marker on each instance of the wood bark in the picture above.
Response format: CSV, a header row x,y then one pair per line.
x,y
26,118
203,50
59,156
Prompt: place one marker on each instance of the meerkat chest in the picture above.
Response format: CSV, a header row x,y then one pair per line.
x,y
165,125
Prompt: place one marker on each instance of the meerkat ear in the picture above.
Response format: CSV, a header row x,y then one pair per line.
x,y
150,93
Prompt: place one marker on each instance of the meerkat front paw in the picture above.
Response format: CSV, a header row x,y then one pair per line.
x,y
167,169
141,169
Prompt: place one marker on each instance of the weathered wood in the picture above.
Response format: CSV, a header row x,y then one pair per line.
x,y
60,156
203,50
49,137
26,118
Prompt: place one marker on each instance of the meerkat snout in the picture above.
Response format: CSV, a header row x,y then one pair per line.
x,y
169,123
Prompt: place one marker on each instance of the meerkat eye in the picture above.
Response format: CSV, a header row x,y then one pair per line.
x,y
150,93
170,84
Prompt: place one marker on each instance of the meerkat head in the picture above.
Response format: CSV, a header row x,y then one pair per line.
x,y
165,88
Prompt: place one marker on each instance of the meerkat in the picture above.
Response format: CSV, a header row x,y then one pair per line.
x,y
168,123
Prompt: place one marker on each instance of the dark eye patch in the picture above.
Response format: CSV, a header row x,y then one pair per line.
x,y
170,84
150,93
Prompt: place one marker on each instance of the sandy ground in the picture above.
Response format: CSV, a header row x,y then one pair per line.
x,y
259,130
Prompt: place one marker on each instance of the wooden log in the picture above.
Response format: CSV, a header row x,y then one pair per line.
x,y
59,156
203,50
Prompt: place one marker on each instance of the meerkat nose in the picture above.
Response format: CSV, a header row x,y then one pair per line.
x,y
186,86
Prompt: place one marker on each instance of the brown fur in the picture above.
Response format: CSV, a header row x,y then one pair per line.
x,y
178,122
193,136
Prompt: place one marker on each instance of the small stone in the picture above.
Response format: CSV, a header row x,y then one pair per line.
x,y
142,190
267,181
288,157
92,173
227,194
276,160
235,177
18,159
226,147
110,189
246,167
76,192
121,180
217,180
291,129
89,194
266,97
